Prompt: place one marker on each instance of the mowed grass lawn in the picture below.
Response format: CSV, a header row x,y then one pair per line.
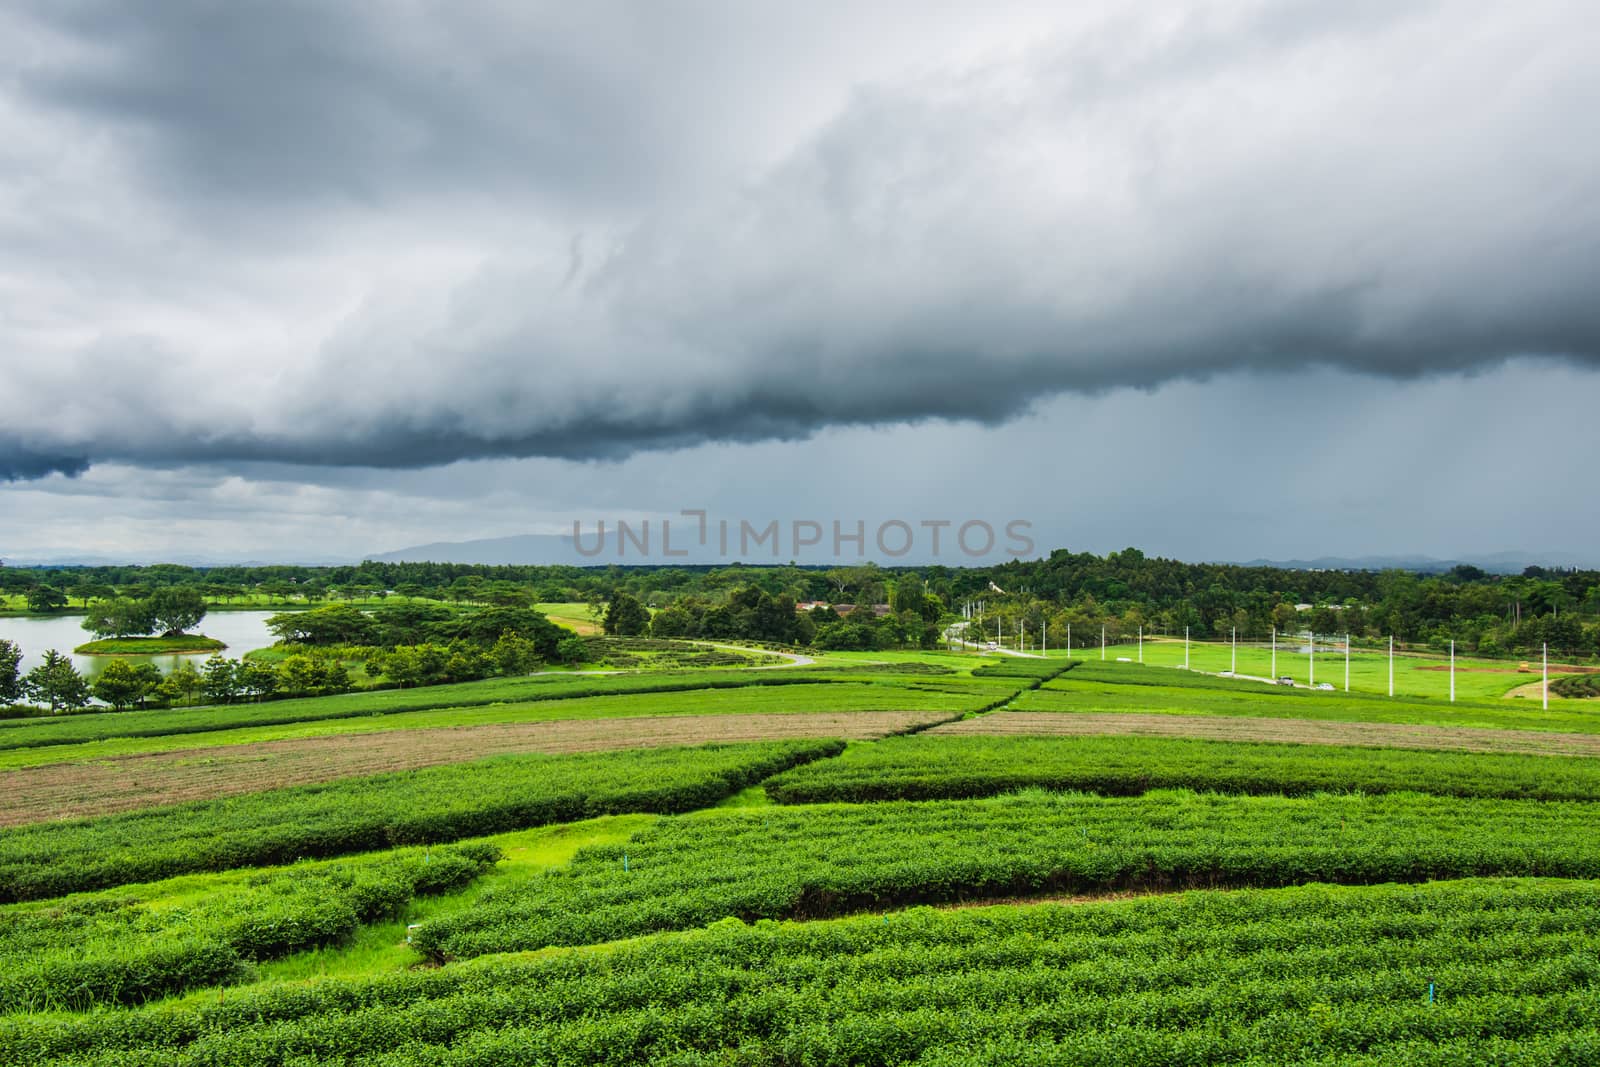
x,y
1131,688
575,615
1414,675
767,700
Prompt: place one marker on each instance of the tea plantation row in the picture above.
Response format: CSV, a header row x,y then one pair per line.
x,y
433,805
1470,972
831,860
939,767
117,949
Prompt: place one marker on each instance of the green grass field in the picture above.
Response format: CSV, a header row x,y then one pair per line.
x,y
1129,687
791,902
150,646
1414,674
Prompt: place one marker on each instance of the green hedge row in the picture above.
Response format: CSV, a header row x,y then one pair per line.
x,y
934,766
1462,973
1040,670
106,949
1579,686
812,862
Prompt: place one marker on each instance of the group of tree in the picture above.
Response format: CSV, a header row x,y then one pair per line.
x,y
226,681
55,682
169,611
467,661
415,624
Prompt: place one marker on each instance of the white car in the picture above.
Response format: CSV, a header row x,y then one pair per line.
x,y
1328,686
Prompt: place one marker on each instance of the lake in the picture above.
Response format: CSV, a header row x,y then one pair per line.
x,y
241,631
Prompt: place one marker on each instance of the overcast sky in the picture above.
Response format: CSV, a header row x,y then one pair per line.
x,y
1226,280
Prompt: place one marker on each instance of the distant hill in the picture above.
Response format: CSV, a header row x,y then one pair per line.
x,y
524,550
1494,562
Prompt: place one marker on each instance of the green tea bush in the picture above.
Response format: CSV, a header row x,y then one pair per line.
x,y
110,949
432,805
948,767
1039,670
1469,972
811,862
1578,686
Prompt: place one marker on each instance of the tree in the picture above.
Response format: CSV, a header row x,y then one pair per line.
x,y
339,624
572,649
908,594
56,682
177,609
258,680
120,618
10,679
626,616
298,674
84,592
514,654
46,598
672,622
221,680
121,685
183,684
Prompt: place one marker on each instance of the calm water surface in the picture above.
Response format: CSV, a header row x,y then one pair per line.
x,y
241,631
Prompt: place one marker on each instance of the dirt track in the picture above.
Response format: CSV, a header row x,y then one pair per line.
x,y
1295,731
57,791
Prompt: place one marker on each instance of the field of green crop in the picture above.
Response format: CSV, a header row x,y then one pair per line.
x,y
1126,687
801,698
949,767
811,902
785,863
1469,972
1415,674
566,687
429,806
121,947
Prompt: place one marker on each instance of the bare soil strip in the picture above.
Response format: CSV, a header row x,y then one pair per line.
x,y
1292,731
59,791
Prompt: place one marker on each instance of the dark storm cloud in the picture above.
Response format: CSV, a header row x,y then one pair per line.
x,y
261,105
512,231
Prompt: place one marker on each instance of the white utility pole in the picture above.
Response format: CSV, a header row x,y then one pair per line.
x,y
1234,667
1311,660
1347,663
1546,685
1069,640
1044,644
1391,664
1185,648
1274,653
1141,643
1452,670
1102,642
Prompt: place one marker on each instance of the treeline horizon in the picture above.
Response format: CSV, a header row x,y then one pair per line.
x,y
1489,613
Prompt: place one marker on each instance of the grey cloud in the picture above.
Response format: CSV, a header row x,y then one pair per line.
x,y
18,463
1142,200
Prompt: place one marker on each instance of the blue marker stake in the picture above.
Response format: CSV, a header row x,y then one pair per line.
x,y
1430,992
624,863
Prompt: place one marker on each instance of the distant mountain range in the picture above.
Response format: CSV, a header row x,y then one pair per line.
x,y
551,549
528,550
1494,562
547,549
